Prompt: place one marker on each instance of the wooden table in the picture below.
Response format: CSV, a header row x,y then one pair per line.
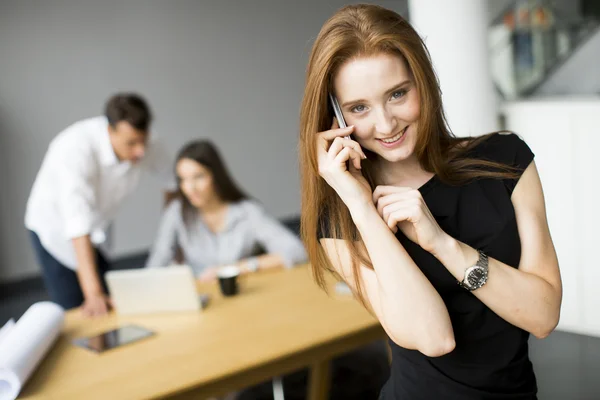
x,y
280,322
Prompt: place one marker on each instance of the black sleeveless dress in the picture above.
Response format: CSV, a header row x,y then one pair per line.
x,y
491,358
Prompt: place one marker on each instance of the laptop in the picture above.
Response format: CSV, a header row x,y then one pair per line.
x,y
153,290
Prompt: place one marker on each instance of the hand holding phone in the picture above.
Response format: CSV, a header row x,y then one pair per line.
x,y
348,182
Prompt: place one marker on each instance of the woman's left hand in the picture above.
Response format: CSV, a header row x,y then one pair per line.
x,y
404,208
208,275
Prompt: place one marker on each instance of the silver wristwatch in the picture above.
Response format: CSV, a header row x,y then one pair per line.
x,y
476,276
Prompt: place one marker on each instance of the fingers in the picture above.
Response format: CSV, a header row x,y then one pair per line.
x,y
396,208
339,140
401,212
96,307
385,195
88,311
387,210
401,199
397,216
339,143
99,309
340,151
383,190
354,170
337,132
348,154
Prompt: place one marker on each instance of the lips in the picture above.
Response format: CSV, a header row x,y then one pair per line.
x,y
395,138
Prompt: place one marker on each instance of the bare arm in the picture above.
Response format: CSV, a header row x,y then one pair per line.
x,y
79,177
283,247
266,261
401,297
86,266
528,297
96,302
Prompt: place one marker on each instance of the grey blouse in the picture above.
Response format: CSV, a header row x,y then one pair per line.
x,y
248,228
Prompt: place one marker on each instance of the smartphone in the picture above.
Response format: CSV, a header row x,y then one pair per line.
x,y
337,111
114,338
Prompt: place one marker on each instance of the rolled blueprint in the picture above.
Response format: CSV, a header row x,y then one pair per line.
x,y
25,343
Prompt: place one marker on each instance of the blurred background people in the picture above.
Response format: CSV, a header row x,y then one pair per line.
x,y
212,223
88,171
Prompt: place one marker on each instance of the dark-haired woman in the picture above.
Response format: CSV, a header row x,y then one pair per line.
x,y
214,223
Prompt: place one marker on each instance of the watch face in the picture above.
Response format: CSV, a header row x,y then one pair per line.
x,y
475,276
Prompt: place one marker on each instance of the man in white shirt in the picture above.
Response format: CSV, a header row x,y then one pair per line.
x,y
87,172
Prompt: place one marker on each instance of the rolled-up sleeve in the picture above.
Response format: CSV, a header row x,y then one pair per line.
x,y
78,190
275,238
166,243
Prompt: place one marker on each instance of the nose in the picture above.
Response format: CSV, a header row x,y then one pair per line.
x,y
384,121
188,187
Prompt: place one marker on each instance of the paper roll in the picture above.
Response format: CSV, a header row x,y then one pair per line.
x,y
24,346
9,385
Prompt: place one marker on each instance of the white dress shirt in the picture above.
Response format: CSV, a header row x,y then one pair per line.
x,y
80,186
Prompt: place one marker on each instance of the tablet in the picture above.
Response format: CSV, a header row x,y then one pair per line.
x,y
114,338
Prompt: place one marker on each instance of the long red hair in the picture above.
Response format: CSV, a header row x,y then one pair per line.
x,y
362,31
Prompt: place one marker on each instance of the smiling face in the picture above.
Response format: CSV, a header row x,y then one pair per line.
x,y
196,182
378,96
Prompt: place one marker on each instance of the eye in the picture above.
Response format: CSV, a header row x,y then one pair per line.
x,y
358,108
398,94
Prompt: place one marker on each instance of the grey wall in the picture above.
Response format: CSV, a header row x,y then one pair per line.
x,y
232,71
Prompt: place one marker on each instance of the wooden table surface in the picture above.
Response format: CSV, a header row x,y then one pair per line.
x,y
280,322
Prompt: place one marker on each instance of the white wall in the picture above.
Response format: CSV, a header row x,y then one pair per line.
x,y
563,135
232,71
455,33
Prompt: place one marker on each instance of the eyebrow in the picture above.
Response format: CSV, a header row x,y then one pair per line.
x,y
393,89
